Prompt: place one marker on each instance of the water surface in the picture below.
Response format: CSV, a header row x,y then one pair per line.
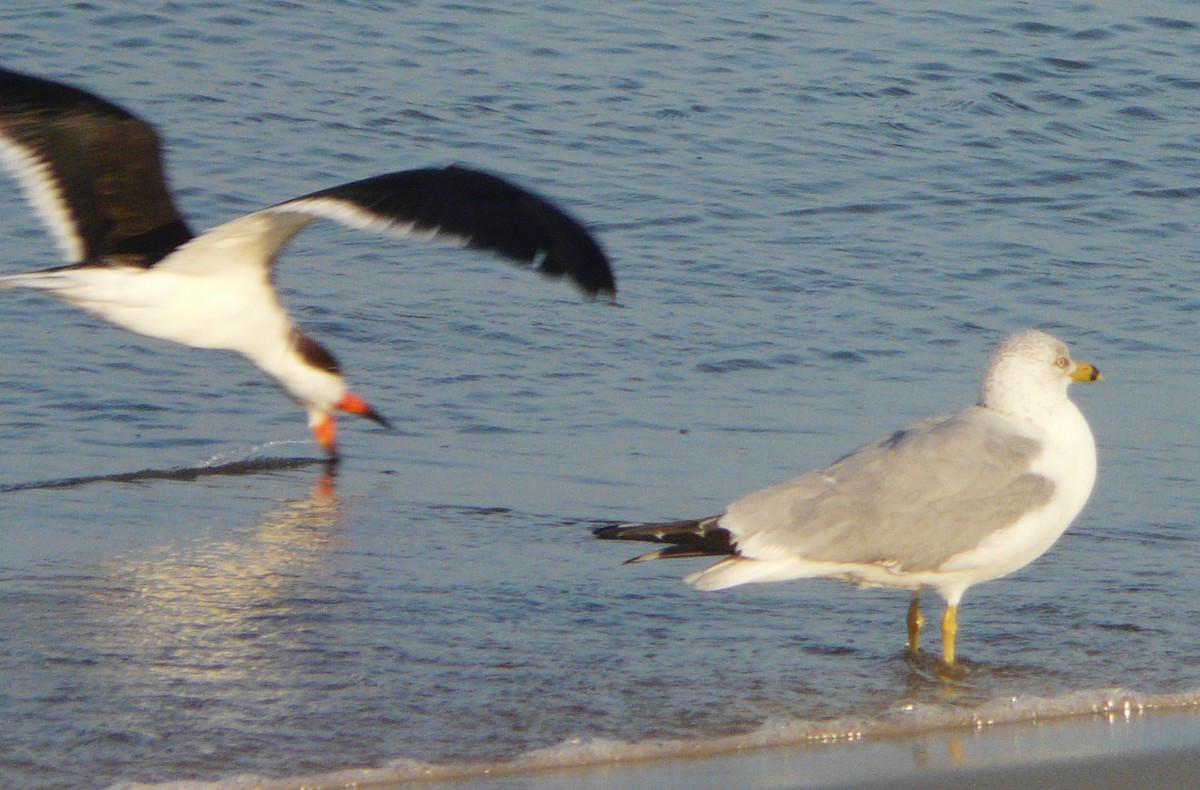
x,y
822,219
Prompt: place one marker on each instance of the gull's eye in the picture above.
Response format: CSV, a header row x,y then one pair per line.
x,y
1063,362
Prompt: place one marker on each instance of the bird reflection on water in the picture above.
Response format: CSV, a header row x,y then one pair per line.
x,y
221,625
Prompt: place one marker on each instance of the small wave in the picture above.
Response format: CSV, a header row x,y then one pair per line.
x,y
733,365
904,721
210,468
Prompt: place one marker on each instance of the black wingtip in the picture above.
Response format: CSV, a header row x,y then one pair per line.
x,y
688,538
486,212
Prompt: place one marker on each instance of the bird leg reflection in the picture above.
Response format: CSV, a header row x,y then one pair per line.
x,y
326,485
916,619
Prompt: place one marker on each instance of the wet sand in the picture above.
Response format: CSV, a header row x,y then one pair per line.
x,y
1156,749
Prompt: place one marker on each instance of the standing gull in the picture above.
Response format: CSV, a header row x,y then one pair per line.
x,y
948,502
94,174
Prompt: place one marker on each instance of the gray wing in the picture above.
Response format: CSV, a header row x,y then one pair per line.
x,y
914,499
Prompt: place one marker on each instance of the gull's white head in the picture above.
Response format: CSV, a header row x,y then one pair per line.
x,y
1028,374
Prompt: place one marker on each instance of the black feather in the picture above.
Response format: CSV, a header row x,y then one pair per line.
x,y
688,538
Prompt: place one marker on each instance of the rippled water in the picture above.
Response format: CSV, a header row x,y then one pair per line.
x,y
821,219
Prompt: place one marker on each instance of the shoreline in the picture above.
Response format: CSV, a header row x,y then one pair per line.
x,y
1151,748
1127,745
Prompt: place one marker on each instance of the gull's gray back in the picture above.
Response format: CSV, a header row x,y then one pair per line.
x,y
913,500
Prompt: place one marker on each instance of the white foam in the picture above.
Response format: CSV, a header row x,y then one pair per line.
x,y
244,454
583,752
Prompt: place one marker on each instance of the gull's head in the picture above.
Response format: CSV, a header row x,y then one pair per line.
x,y
316,381
1029,373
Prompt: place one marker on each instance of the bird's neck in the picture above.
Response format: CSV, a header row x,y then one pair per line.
x,y
1038,405
305,370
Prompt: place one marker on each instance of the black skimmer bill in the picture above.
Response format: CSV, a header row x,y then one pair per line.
x,y
94,174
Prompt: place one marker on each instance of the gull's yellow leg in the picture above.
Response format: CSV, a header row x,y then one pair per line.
x,y
949,631
916,619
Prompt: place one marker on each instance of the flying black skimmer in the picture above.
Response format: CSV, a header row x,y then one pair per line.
x,y
94,174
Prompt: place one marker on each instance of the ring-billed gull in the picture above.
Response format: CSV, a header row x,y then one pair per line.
x,y
943,504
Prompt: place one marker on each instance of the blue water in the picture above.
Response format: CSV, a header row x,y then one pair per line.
x,y
821,219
